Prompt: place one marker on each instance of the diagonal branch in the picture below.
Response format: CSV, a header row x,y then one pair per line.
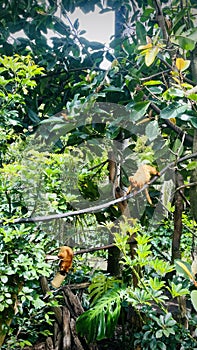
x,y
99,207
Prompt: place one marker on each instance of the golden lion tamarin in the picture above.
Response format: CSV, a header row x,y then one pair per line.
x,y
66,256
142,177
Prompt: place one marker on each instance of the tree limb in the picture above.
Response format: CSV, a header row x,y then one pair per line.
x,y
99,207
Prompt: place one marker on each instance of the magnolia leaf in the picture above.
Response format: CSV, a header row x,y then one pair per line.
x,y
157,90
174,92
151,55
182,64
194,299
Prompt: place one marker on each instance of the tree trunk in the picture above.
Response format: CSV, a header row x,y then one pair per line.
x,y
65,336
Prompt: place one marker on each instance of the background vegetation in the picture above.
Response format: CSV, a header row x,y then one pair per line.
x,y
64,122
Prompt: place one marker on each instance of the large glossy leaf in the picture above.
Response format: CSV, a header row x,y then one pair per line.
x,y
173,111
99,322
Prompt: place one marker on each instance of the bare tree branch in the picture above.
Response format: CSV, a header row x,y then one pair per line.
x,y
96,208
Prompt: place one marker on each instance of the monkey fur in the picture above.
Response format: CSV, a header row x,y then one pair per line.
x,y
65,255
142,177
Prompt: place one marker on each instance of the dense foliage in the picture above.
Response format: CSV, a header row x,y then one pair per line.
x,y
62,119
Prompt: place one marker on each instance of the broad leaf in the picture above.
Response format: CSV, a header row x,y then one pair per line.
x,y
141,32
173,111
152,130
186,43
99,322
182,64
151,55
194,299
184,268
138,109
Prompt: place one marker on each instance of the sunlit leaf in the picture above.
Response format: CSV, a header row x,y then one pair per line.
x,y
182,64
193,97
151,55
144,47
153,82
184,268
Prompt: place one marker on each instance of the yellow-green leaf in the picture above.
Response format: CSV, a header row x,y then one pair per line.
x,y
151,55
194,299
144,47
185,269
182,64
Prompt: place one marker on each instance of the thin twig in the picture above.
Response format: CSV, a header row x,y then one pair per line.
x,y
185,186
150,77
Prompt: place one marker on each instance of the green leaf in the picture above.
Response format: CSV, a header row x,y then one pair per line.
x,y
157,90
138,109
159,333
193,121
140,32
4,279
156,284
76,24
173,92
177,290
99,322
186,43
153,82
192,165
193,97
152,130
113,89
184,268
173,111
194,299
38,303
